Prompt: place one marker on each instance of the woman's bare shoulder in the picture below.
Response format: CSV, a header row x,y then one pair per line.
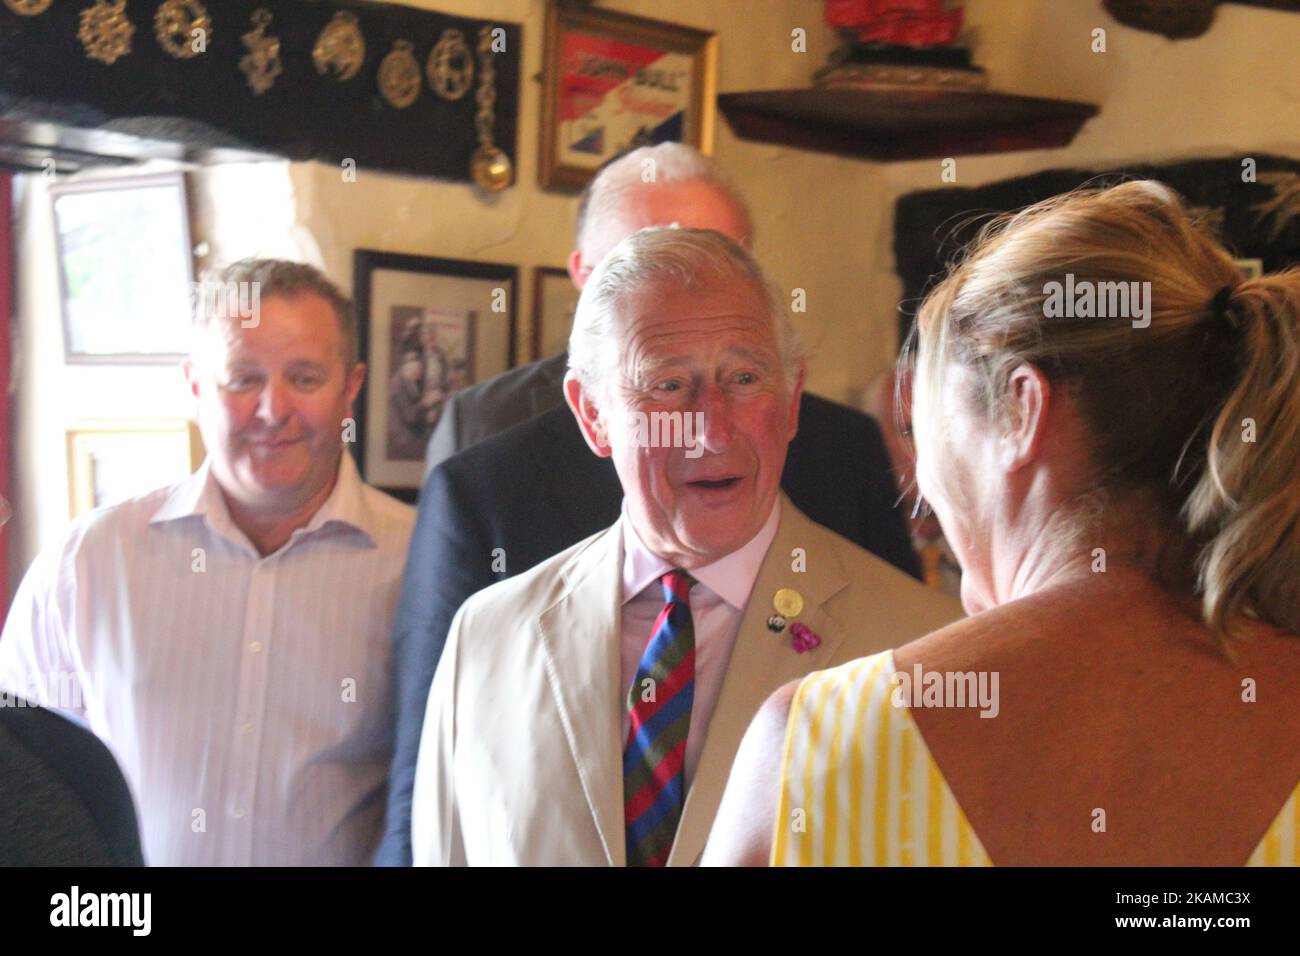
x,y
742,829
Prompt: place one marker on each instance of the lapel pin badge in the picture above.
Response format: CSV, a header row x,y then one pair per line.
x,y
802,638
788,602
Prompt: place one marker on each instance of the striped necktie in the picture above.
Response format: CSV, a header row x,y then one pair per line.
x,y
654,775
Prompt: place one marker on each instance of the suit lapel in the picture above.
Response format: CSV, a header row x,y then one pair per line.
x,y
580,639
761,661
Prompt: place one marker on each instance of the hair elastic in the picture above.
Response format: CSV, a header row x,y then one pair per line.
x,y
1222,305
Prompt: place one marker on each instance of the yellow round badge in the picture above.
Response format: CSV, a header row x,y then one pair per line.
x,y
788,602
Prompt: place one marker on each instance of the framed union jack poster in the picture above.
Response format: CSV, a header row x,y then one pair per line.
x,y
612,82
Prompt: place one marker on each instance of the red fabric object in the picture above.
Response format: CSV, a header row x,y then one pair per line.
x,y
6,314
904,22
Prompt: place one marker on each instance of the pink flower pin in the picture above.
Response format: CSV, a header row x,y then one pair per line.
x,y
802,638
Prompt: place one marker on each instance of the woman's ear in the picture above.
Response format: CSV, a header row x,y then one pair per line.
x,y
1029,395
582,403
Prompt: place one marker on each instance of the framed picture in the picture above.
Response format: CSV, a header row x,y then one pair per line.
x,y
555,299
111,461
427,328
611,82
1249,268
125,269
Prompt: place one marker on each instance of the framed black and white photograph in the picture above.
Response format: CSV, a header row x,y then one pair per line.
x,y
125,269
426,327
555,299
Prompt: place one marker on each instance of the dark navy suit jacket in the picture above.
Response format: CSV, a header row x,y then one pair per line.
x,y
535,489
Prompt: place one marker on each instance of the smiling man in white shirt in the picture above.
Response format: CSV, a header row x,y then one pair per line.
x,y
588,710
227,636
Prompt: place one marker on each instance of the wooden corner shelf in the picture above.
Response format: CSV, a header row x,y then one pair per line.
x,y
896,125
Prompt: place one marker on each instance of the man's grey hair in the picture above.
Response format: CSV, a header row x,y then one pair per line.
x,y
697,260
648,166
261,279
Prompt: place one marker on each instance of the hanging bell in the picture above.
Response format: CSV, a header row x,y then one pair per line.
x,y
491,168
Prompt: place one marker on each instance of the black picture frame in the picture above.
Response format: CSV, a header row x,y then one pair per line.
x,y
426,327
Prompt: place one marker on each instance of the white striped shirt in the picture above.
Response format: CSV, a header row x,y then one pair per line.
x,y
246,698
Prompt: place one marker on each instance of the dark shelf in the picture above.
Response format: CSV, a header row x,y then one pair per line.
x,y
905,124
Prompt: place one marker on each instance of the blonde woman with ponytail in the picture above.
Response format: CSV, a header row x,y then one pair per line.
x,y
1123,494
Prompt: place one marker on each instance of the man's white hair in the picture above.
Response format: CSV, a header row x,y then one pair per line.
x,y
646,167
696,260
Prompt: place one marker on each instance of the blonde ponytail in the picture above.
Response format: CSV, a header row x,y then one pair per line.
x,y
1245,506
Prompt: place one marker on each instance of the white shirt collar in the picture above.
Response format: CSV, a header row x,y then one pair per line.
x,y
200,495
731,577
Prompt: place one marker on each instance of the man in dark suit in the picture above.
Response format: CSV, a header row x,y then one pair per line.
x,y
523,495
489,408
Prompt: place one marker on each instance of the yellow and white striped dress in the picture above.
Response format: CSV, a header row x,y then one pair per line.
x,y
859,787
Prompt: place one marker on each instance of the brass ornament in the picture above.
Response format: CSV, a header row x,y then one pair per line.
x,y
261,64
450,66
788,602
340,49
105,31
175,24
399,75
28,8
490,167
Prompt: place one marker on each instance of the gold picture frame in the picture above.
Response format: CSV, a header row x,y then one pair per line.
x,y
110,461
606,77
554,301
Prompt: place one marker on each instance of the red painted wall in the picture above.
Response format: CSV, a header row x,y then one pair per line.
x,y
6,384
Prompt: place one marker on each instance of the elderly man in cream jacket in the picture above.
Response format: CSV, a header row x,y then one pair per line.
x,y
587,712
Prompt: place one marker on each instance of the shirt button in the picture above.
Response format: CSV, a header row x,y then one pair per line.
x,y
255,647
238,813
246,729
